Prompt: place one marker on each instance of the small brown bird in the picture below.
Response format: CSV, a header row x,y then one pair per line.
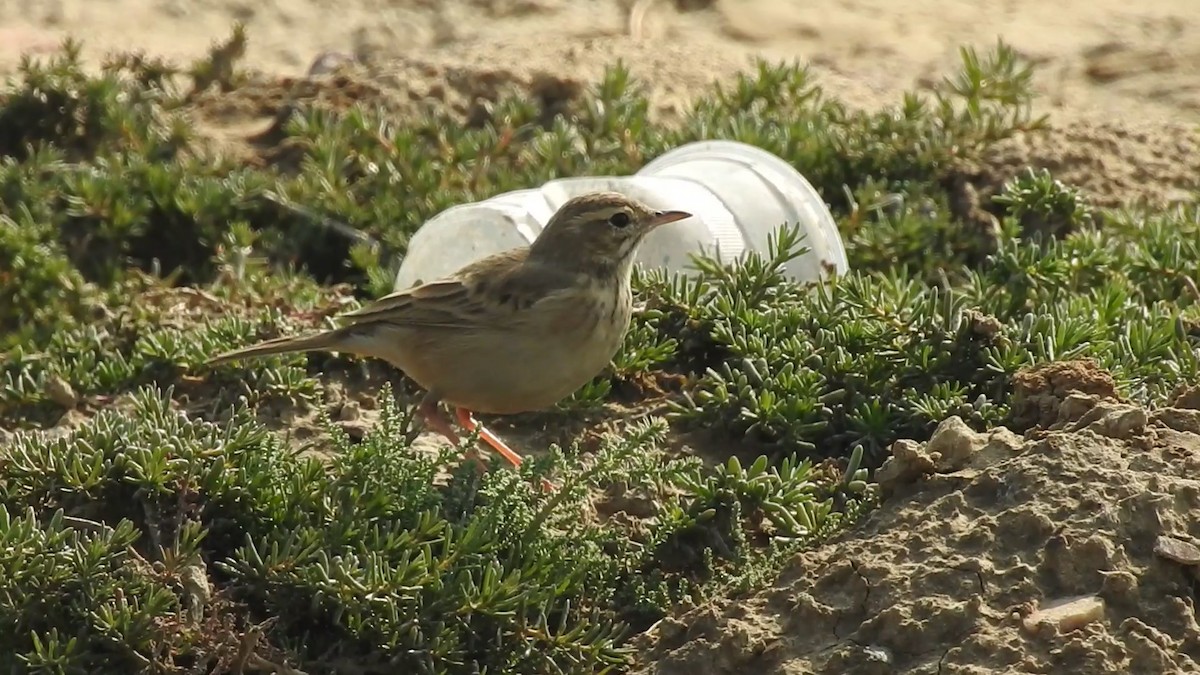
x,y
513,332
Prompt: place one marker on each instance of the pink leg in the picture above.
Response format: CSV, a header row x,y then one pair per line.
x,y
469,423
437,420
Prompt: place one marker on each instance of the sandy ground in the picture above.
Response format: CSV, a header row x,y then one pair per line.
x,y
1120,80
1109,58
1068,552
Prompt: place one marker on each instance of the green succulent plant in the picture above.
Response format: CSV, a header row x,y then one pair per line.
x,y
165,528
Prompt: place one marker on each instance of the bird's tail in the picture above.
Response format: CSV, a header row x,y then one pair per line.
x,y
331,340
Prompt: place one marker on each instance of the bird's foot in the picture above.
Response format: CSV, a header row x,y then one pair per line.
x,y
437,420
468,422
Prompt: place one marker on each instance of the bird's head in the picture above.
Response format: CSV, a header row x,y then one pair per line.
x,y
599,231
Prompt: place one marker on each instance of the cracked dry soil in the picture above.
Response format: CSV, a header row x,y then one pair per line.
x,y
1069,550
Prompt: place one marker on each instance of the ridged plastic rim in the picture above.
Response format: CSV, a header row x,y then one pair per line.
x,y
722,148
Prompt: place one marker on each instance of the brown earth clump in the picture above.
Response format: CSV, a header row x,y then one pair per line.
x,y
1039,392
1075,552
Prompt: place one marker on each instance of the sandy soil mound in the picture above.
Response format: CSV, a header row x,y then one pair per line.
x,y
1108,57
1119,80
1074,550
1114,163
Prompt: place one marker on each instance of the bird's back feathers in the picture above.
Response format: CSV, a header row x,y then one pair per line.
x,y
514,331
491,294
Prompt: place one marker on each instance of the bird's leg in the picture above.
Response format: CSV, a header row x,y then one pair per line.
x,y
469,423
435,418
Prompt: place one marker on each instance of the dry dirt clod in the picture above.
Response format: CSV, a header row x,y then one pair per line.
x,y
350,411
1066,615
1114,420
329,62
982,324
356,431
60,391
1182,552
1039,391
953,444
197,591
908,462
1178,419
1186,397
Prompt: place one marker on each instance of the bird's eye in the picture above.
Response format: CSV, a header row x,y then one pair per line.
x,y
619,219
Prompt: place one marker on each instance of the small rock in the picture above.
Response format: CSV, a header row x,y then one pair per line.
x,y
1120,585
328,62
1186,397
908,462
1066,615
953,443
1113,420
60,391
952,447
1002,441
670,629
1076,405
1179,419
428,443
1182,552
983,324
350,411
877,654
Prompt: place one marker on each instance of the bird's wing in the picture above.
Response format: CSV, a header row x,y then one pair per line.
x,y
486,293
439,304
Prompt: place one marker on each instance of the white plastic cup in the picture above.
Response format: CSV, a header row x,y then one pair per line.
x,y
738,196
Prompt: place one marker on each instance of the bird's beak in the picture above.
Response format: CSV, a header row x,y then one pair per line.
x,y
664,217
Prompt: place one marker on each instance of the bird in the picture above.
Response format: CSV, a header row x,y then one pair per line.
x,y
513,332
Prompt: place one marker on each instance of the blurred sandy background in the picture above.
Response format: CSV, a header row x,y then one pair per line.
x,y
1102,59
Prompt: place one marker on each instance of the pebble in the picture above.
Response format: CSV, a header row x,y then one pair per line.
x,y
60,391
350,412
328,62
1067,615
1178,550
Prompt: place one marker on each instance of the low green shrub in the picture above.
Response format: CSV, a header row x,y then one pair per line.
x,y
149,536
370,562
